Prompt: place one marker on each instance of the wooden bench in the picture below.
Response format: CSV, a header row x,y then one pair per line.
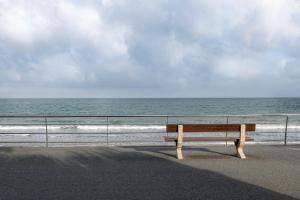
x,y
209,128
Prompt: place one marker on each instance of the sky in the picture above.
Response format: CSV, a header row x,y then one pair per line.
x,y
157,48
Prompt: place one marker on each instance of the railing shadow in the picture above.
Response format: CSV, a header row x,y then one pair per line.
x,y
113,173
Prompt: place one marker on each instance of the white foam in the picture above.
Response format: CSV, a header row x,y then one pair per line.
x,y
275,126
6,127
85,127
125,128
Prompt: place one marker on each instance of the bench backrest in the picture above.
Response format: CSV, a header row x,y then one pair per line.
x,y
209,127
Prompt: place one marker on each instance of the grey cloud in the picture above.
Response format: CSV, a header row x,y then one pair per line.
x,y
292,69
149,48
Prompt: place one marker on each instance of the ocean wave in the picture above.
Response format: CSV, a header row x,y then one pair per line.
x,y
85,127
125,128
275,126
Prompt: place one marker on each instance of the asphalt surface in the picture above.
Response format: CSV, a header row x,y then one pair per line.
x,y
270,172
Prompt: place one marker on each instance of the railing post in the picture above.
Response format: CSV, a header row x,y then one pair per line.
x,y
227,119
107,130
46,133
286,130
167,122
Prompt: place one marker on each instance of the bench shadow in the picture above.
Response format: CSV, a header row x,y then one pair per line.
x,y
114,173
155,149
6,149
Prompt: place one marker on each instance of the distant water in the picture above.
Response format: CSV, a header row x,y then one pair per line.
x,y
198,106
140,130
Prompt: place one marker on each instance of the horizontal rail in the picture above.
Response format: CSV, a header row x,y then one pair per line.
x,y
133,116
64,124
42,142
52,124
53,133
78,133
123,132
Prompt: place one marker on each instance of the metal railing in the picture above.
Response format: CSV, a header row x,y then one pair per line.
x,y
46,126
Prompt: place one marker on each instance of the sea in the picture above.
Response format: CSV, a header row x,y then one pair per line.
x,y
140,121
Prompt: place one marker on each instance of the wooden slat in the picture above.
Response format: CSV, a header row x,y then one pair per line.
x,y
210,127
205,139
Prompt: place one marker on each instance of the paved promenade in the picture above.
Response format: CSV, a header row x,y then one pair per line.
x,y
270,172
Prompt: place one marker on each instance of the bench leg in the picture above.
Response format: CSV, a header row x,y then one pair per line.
x,y
239,149
179,142
240,143
179,153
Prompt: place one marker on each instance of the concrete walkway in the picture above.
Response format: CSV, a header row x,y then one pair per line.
x,y
270,172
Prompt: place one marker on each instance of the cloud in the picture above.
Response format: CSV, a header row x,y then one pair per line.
x,y
292,68
237,68
174,48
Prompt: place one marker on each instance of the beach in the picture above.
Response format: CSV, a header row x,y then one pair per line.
x,y
269,172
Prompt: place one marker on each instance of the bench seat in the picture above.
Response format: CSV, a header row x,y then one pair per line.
x,y
206,139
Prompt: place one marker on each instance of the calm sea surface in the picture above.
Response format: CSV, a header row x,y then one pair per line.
x,y
196,106
140,130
